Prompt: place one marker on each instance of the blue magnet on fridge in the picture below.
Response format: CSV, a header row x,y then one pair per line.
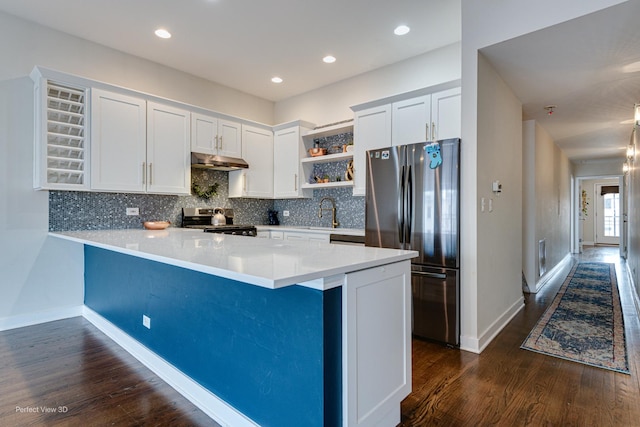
x,y
385,155
433,151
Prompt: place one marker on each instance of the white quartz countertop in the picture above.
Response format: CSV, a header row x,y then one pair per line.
x,y
262,262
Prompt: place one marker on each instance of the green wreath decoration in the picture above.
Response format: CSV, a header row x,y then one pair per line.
x,y
205,192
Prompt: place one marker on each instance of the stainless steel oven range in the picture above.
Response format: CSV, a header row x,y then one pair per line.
x,y
203,218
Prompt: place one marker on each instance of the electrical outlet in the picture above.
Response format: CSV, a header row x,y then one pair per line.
x,y
146,322
133,211
285,213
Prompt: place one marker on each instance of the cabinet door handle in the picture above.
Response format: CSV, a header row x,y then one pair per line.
x,y
433,131
244,182
215,140
426,132
150,173
220,142
295,182
144,172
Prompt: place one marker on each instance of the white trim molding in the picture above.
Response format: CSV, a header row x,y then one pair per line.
x,y
634,293
208,402
557,269
477,345
30,319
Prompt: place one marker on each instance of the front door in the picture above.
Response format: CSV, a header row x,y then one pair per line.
x,y
607,214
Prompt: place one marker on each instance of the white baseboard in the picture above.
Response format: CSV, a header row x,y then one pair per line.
x,y
634,293
588,243
208,402
30,319
559,267
477,345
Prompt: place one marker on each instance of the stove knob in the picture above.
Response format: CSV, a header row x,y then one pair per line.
x,y
244,233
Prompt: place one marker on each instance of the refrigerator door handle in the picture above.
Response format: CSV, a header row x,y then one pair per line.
x,y
432,275
401,208
408,215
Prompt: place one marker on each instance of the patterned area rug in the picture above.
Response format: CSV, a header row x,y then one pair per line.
x,y
584,322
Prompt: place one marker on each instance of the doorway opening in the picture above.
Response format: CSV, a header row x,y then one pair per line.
x,y
607,214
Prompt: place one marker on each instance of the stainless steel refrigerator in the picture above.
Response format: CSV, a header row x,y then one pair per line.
x,y
413,202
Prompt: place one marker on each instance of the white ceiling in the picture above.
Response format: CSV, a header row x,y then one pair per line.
x,y
243,43
580,67
577,65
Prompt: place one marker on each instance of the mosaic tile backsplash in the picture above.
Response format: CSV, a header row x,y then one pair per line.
x,y
74,210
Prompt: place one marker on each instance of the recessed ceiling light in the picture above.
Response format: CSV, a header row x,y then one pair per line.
x,y
162,33
401,30
329,59
276,79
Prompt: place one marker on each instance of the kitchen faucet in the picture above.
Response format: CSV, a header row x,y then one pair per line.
x,y
334,222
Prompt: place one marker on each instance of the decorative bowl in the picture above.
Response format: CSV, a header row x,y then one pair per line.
x,y
156,225
314,152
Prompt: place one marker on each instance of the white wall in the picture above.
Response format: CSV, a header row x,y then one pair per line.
x,y
483,25
27,44
500,225
41,278
633,243
331,103
546,202
597,167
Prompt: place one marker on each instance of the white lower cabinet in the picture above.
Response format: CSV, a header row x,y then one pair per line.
x,y
138,146
376,332
306,236
257,151
277,235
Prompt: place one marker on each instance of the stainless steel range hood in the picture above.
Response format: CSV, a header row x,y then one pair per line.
x,y
221,163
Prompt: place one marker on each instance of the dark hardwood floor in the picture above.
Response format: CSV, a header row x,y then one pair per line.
x,y
508,386
71,367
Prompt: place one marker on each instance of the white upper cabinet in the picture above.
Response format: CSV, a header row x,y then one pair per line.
x,y
371,129
257,151
422,117
427,118
411,120
119,138
168,149
288,150
446,114
138,146
212,135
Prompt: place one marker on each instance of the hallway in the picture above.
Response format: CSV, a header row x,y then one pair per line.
x,y
508,386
